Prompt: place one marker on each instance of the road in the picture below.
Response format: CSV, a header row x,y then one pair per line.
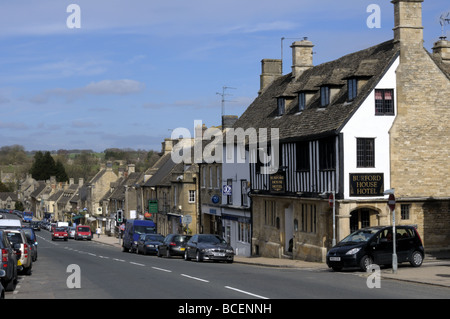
x,y
107,273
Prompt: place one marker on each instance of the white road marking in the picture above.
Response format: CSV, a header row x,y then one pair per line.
x,y
246,292
137,264
162,269
195,278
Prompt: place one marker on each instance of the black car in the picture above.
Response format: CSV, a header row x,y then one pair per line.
x,y
149,243
374,245
173,245
8,263
208,247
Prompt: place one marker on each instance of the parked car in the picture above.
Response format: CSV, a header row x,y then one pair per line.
x,y
32,241
149,243
374,245
2,290
19,241
60,233
133,229
35,225
83,232
173,245
208,247
8,263
71,232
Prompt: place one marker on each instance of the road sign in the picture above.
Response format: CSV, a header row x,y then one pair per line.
x,y
227,190
391,201
187,219
331,200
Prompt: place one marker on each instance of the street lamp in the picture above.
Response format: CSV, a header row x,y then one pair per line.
x,y
333,194
391,204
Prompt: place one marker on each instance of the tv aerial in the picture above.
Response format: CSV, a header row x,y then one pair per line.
x,y
223,94
444,20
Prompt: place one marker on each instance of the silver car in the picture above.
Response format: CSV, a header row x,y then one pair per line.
x,y
17,236
71,232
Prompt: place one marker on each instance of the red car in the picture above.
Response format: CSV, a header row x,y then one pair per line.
x,y
60,233
83,232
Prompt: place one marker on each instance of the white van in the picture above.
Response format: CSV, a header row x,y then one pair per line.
x,y
10,223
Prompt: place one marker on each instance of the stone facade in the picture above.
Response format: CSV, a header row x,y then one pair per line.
x,y
420,135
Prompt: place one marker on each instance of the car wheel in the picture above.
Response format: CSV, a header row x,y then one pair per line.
x,y
198,258
365,262
186,256
10,285
336,268
416,259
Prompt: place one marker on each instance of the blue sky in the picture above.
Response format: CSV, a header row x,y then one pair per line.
x,y
137,69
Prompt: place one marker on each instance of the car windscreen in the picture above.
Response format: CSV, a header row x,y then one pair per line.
x,y
211,239
60,229
14,237
154,238
181,238
84,229
144,229
361,235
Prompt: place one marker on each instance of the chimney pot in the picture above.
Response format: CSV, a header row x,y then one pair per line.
x,y
442,49
271,69
302,56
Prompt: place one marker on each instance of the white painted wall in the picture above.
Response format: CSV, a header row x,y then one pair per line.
x,y
364,124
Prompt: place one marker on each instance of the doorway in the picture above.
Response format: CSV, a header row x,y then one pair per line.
x,y
288,228
361,218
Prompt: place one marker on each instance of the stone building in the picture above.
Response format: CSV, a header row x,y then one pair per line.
x,y
352,128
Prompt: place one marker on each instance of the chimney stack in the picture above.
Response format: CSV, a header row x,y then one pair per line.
x,y
167,145
271,69
228,121
302,57
442,49
408,27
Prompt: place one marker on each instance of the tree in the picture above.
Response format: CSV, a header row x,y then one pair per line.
x,y
61,175
44,167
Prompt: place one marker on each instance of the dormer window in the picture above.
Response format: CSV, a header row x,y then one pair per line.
x,y
301,101
281,105
324,95
352,85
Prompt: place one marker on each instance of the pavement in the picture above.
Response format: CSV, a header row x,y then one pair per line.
x,y
435,269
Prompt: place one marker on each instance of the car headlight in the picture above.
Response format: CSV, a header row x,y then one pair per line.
x,y
353,251
229,251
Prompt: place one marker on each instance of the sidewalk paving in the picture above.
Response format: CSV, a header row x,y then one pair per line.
x,y
435,269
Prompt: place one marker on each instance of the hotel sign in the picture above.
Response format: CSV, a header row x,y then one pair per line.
x,y
277,183
370,184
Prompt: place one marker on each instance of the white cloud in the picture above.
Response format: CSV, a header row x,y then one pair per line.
x,y
105,87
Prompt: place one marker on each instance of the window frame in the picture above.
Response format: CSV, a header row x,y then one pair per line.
x,y
382,107
302,156
327,153
281,105
365,152
301,101
352,88
324,96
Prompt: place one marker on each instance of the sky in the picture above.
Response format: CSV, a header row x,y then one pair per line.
x,y
125,74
